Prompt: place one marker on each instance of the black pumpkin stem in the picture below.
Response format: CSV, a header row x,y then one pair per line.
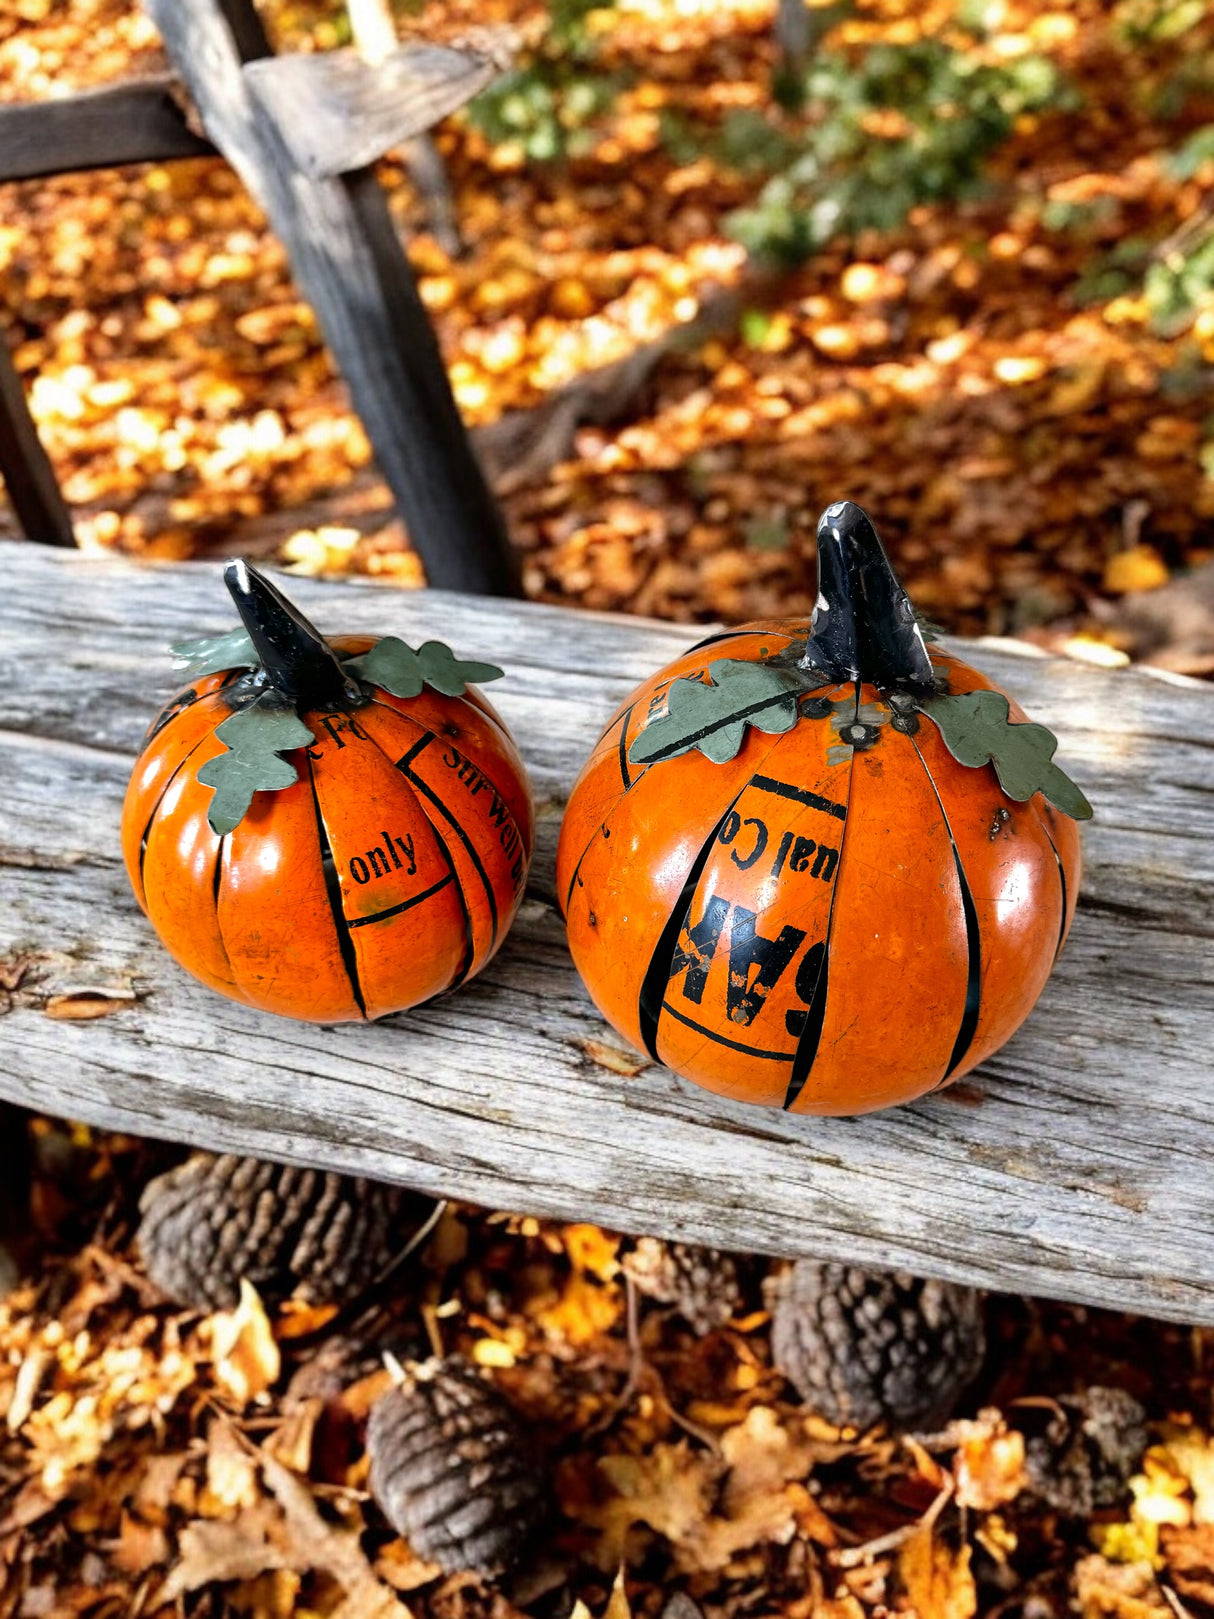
x,y
299,662
864,625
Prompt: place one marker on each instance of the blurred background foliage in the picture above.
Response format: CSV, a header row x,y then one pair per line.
x,y
704,266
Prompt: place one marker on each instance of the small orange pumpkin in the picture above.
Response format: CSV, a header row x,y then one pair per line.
x,y
819,865
331,829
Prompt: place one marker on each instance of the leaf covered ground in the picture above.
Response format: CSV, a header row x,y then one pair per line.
x,y
1027,425
158,1461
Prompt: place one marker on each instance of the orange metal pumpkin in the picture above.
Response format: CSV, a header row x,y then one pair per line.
x,y
326,829
810,864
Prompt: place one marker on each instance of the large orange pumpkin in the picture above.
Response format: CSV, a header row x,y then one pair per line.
x,y
810,864
327,829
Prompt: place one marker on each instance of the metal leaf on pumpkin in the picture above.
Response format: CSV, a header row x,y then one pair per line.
x,y
977,730
255,737
212,654
396,667
714,717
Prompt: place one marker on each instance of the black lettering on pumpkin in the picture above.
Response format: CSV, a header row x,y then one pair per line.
x,y
825,862
760,845
747,950
806,985
702,938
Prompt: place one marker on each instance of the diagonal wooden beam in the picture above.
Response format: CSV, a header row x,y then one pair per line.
x,y
25,467
348,262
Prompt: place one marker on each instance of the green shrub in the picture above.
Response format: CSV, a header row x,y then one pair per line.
x,y
945,111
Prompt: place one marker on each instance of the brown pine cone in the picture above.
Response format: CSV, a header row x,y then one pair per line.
x,y
1081,1449
863,1346
701,1283
454,1471
310,1232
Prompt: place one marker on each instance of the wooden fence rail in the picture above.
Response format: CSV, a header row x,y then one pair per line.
x,y
1078,1162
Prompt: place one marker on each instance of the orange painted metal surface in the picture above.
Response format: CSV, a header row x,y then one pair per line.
x,y
389,872
811,925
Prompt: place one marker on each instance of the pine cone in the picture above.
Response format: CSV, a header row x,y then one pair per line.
x,y
701,1283
1091,1443
863,1347
453,1470
323,1236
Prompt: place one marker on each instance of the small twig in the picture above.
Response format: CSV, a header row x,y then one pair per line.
x,y
853,1556
1174,1602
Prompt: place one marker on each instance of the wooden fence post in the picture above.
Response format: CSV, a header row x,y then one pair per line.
x,y
347,259
25,467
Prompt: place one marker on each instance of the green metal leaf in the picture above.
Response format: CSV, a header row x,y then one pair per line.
x,y
255,737
714,717
212,654
977,731
402,671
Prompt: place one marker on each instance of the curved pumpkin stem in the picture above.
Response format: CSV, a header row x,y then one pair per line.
x,y
297,659
864,625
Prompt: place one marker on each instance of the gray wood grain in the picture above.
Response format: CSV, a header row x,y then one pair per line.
x,y
1078,1163
357,110
136,122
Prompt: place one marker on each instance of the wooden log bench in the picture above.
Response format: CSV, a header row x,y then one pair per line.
x,y
1078,1163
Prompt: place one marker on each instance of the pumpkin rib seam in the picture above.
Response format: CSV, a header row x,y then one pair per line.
x,y
328,865
811,1035
972,1009
160,798
1062,885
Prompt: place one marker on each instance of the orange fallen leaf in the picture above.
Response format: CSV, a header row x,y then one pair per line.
x,y
80,1005
626,1063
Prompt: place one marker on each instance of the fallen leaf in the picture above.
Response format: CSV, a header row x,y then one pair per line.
x,y
936,1580
80,1005
247,1359
211,1550
1118,1590
613,1059
988,1467
231,1479
139,1546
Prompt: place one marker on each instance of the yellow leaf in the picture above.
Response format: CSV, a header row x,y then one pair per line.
x,y
988,1466
1139,568
618,1606
247,1360
937,1581
1128,1542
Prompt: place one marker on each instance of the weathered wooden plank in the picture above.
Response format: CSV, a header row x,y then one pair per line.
x,y
25,467
1077,1163
348,261
138,122
337,111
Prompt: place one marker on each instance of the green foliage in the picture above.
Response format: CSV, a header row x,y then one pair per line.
x,y
550,104
1178,282
1155,22
901,126
1175,276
